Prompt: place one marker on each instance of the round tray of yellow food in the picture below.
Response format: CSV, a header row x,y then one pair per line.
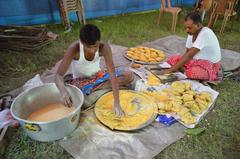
x,y
139,110
145,55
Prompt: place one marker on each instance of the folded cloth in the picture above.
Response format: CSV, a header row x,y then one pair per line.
x,y
6,119
88,85
198,69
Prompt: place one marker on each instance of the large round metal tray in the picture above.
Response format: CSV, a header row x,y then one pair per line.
x,y
142,62
151,103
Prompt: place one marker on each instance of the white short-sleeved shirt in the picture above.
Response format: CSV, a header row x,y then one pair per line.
x,y
208,45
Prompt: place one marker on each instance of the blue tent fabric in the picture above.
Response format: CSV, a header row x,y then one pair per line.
x,y
30,12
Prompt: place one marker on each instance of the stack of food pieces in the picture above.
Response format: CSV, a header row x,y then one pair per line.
x,y
145,55
138,108
180,98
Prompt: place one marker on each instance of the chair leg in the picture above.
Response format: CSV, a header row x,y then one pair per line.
x,y
175,24
215,20
224,24
65,12
208,16
210,22
232,19
159,16
82,12
79,17
178,19
62,12
83,18
173,21
68,23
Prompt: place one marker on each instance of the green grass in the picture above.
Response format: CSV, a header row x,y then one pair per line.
x,y
221,138
22,147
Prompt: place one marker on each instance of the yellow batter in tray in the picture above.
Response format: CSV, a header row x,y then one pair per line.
x,y
139,109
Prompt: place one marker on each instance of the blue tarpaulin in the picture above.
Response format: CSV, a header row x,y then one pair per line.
x,y
29,12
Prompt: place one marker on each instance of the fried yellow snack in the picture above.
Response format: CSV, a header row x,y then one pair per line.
x,y
134,65
178,85
180,98
203,105
205,95
195,109
176,99
189,104
132,49
191,92
179,90
145,54
152,80
176,107
183,111
187,97
171,92
188,119
153,55
161,105
151,59
161,96
168,106
182,85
